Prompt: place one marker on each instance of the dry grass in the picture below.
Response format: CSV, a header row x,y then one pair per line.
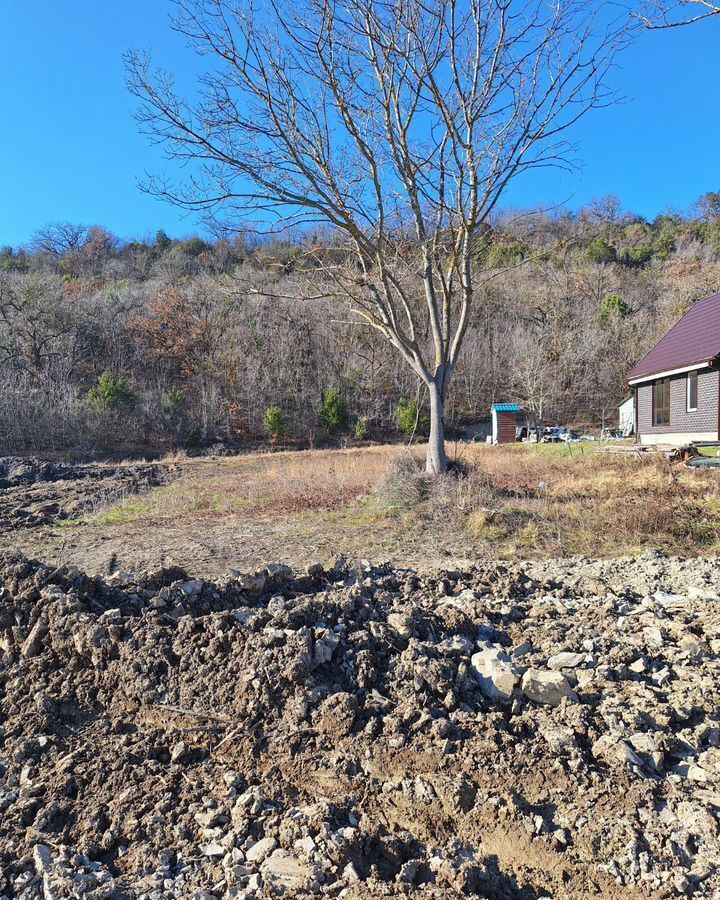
x,y
522,499
558,501
273,484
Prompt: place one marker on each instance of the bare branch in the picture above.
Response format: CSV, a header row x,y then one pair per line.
x,y
660,14
399,125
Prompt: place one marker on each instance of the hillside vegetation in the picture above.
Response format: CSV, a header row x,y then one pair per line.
x,y
149,344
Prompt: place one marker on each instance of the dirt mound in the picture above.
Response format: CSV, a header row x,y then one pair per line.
x,y
15,470
37,492
359,732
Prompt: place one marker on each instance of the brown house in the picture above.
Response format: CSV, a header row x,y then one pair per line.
x,y
677,384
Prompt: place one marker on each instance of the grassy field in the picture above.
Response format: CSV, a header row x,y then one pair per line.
x,y
376,503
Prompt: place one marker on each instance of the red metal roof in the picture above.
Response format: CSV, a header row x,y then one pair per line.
x,y
694,339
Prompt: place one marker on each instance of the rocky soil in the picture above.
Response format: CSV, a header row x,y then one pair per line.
x,y
548,730
36,492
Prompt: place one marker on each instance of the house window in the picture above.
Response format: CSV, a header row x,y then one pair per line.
x,y
661,402
692,391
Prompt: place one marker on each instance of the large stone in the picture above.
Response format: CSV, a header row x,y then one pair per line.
x,y
496,674
402,623
212,849
565,661
613,749
192,588
283,872
253,584
42,858
545,686
261,849
644,743
34,641
326,643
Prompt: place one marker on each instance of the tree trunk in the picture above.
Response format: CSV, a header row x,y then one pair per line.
x,y
436,461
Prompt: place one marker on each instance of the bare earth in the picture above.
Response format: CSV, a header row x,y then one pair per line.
x,y
97,522
496,730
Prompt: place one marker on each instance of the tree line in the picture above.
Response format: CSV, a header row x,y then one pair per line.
x,y
158,343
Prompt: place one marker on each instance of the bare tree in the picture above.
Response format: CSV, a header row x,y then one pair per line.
x,y
59,238
34,323
676,13
606,210
399,123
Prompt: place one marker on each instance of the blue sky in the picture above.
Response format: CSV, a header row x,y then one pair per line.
x,y
69,149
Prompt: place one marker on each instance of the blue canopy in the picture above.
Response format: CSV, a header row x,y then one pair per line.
x,y
505,407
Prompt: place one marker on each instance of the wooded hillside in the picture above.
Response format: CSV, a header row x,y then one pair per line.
x,y
161,343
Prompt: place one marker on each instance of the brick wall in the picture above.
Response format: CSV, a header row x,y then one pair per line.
x,y
704,420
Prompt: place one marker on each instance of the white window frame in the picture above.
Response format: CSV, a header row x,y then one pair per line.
x,y
687,392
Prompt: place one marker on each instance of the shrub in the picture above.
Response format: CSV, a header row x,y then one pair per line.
x,y
162,241
274,423
599,251
10,261
192,437
404,486
175,400
111,391
195,246
409,418
665,245
613,308
636,257
637,233
711,235
406,415
333,413
361,429
501,256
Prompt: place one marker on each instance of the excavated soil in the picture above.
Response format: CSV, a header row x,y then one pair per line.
x,y
548,730
36,492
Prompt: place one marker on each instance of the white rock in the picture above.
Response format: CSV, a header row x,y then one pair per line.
x,y
192,588
402,623
456,645
279,570
325,646
261,849
212,849
644,743
558,737
653,636
565,661
668,600
496,674
284,872
42,859
545,686
692,771
307,845
253,584
613,749
350,873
